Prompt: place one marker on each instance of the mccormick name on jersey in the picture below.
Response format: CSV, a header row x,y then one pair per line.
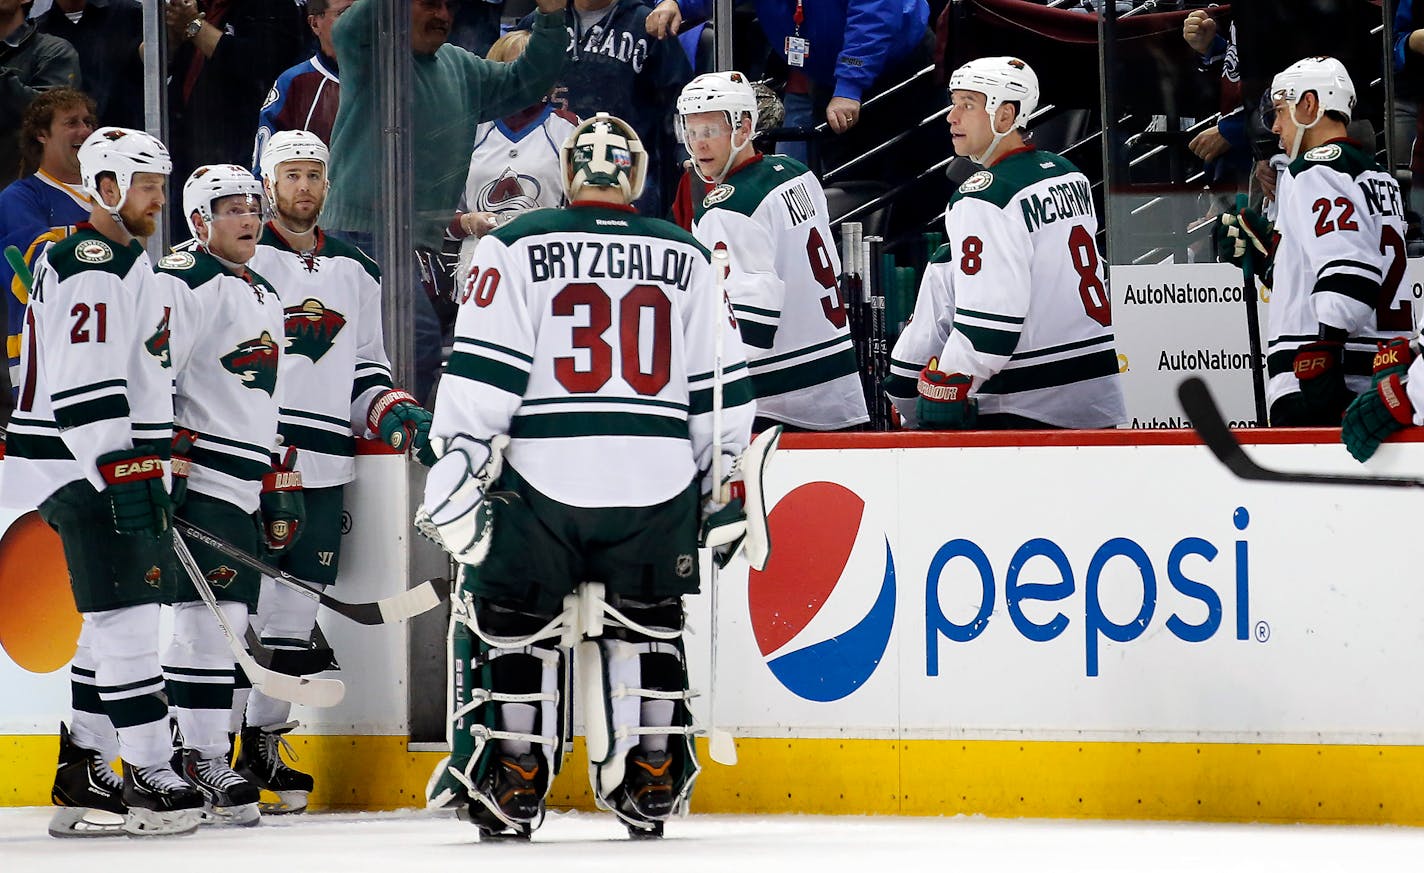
x,y
609,260
1065,200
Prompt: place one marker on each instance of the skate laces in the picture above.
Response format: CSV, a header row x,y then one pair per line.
x,y
217,773
106,774
160,778
273,738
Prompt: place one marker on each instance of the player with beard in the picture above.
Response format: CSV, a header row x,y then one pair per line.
x,y
227,340
89,441
336,381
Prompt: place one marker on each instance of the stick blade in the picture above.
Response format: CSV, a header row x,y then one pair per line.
x,y
722,748
418,600
306,690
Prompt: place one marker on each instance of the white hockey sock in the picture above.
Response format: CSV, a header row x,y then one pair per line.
x,y
517,717
656,713
199,667
124,643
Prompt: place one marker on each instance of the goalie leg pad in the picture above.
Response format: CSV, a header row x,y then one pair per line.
x,y
642,761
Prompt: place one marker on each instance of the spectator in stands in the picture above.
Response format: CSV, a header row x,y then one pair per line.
x,y
1224,146
44,205
615,66
837,51
108,34
1408,62
225,53
477,25
305,96
30,63
454,91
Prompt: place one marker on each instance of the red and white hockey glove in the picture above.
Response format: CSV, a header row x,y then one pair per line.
x,y
944,402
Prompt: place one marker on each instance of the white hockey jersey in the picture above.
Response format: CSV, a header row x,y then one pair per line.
x,y
95,367
586,334
770,215
227,342
334,362
1339,262
1032,320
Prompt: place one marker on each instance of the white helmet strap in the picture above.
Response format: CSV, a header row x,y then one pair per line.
x,y
1300,129
998,136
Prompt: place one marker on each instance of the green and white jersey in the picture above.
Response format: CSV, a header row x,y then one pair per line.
x,y
1339,262
227,341
586,335
770,215
95,374
1032,319
335,360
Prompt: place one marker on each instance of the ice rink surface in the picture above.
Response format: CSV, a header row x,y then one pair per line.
x,y
404,842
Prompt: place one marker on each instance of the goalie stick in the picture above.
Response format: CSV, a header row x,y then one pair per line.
x,y
720,744
398,607
294,689
1207,421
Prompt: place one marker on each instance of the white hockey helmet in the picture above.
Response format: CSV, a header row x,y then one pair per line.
x,y
213,182
1325,76
604,152
291,145
123,152
728,92
1000,80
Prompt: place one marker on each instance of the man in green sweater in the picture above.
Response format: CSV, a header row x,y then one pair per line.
x,y
452,91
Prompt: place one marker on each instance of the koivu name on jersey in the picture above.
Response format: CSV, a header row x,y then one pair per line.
x,y
611,260
799,206
1065,200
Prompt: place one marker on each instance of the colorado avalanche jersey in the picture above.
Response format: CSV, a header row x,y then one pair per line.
x,y
770,215
335,360
586,334
1032,319
513,171
1339,262
227,341
925,336
95,367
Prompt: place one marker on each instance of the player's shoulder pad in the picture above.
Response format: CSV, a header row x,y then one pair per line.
x,y
90,251
999,184
193,268
340,248
1342,157
745,190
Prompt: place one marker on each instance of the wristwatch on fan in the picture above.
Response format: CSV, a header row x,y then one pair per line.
x,y
193,27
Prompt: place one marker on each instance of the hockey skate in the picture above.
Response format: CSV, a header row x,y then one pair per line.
x,y
647,795
510,802
88,792
159,802
228,798
259,761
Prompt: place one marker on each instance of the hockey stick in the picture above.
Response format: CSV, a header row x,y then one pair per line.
x,y
294,689
399,607
22,269
1206,420
1253,322
720,744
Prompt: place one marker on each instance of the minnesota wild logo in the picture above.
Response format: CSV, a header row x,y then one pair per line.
x,y
157,344
254,361
222,576
312,328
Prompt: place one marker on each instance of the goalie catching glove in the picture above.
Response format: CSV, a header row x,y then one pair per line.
x,y
455,513
734,512
402,423
283,507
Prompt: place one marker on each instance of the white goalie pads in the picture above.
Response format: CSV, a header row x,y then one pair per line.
x,y
455,513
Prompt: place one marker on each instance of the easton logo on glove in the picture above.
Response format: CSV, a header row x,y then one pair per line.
x,y
149,467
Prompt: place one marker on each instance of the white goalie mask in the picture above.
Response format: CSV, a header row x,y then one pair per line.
x,y
214,182
604,152
730,93
1001,80
1331,84
123,152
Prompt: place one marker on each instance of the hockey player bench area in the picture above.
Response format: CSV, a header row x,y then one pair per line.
x,y
1069,624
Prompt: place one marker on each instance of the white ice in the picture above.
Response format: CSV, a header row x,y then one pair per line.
x,y
404,842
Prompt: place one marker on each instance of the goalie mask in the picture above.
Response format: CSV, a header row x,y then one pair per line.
x,y
123,152
604,152
1330,82
730,93
214,182
1001,80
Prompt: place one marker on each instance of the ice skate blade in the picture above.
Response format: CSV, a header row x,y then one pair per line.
x,y
152,823
287,802
243,816
492,829
654,831
69,822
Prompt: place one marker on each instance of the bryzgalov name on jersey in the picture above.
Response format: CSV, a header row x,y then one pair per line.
x,y
610,260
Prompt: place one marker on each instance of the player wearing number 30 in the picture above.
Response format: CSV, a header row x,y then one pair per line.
x,y
769,213
1013,327
586,343
1336,268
